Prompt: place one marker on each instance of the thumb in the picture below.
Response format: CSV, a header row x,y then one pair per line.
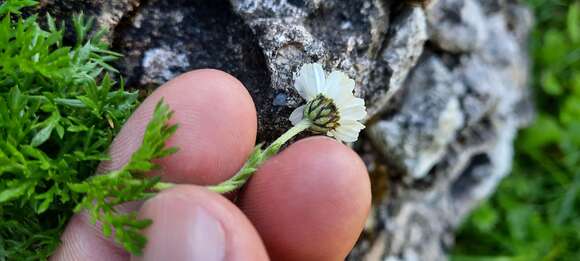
x,y
192,223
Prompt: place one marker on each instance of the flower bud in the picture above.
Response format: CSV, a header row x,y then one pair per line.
x,y
322,113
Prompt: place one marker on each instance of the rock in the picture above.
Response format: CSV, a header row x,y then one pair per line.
x,y
200,34
417,137
159,65
457,26
265,42
408,34
450,141
107,13
445,84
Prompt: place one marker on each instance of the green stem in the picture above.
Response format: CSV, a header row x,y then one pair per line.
x,y
163,186
289,134
251,165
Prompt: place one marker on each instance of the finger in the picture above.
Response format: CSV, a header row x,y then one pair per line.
x,y
217,128
310,202
215,115
191,223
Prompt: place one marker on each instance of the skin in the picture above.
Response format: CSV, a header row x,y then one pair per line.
x,y
309,202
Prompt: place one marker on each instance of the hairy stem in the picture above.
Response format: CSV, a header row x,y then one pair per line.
x,y
289,134
254,162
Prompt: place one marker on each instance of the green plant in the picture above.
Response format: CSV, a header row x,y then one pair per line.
x,y
59,111
534,214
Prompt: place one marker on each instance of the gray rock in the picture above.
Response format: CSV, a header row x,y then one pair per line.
x,y
107,13
267,41
199,34
417,136
430,195
408,34
159,65
457,26
445,85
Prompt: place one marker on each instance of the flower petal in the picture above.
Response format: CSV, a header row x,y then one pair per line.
x,y
297,115
348,131
339,86
345,136
356,113
310,81
351,103
351,125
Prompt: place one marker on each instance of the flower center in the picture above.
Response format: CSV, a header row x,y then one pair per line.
x,y
323,114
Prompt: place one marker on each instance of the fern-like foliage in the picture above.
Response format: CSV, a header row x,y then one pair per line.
x,y
59,111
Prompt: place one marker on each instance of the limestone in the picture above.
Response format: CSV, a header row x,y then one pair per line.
x,y
107,13
457,26
264,42
157,63
416,138
404,47
442,161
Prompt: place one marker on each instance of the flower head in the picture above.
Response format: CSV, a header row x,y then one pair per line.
x,y
331,107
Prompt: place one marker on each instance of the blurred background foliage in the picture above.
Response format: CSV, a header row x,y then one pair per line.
x,y
535,214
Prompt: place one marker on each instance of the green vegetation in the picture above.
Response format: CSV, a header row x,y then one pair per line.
x,y
535,214
59,111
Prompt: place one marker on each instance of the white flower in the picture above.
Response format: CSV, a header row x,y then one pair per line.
x,y
331,106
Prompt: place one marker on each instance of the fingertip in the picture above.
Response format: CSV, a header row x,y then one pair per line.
x,y
218,126
337,168
191,223
310,202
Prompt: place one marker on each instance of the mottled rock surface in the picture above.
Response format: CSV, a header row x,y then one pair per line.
x,y
445,84
449,142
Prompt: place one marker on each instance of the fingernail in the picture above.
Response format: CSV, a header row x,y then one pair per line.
x,y
191,233
207,239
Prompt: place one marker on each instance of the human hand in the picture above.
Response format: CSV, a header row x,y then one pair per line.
x,y
309,202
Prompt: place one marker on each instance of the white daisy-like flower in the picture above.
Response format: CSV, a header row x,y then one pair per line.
x,y
331,107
